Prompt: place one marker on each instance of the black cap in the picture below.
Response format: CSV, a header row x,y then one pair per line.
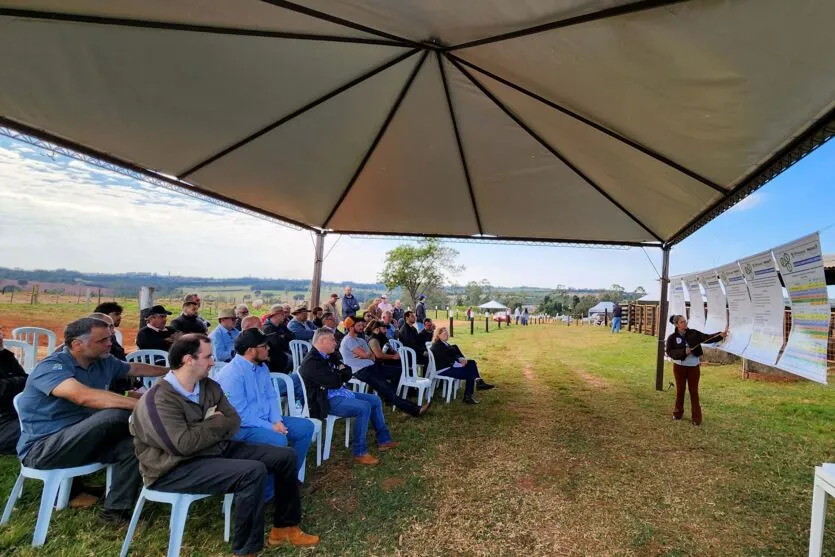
x,y
158,310
249,338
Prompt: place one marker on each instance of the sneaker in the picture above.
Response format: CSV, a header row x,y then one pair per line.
x,y
115,517
387,446
292,534
471,400
366,459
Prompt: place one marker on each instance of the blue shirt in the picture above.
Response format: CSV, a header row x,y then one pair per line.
x,y
341,391
223,343
42,413
249,389
193,396
346,348
302,330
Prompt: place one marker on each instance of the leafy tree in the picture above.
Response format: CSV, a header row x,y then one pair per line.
x,y
419,268
473,294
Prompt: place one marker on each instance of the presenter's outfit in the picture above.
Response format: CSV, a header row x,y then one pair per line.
x,y
686,368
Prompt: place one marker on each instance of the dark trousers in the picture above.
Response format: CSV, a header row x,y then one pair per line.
x,y
242,469
103,437
687,377
9,434
469,373
376,380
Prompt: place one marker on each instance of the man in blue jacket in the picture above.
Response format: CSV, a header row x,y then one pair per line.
x,y
300,326
350,305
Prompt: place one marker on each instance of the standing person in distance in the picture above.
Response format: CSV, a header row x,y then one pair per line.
x,y
420,311
330,307
617,313
684,347
350,305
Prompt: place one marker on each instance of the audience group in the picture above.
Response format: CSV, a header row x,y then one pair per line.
x,y
192,433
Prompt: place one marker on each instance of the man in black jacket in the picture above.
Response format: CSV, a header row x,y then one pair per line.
x,y
411,338
155,335
190,321
278,339
324,380
12,381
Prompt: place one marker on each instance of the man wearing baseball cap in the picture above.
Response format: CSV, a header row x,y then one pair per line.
x,y
246,383
224,335
190,321
300,326
384,305
155,335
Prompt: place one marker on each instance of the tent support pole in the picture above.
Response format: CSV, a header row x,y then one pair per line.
x,y
662,318
318,257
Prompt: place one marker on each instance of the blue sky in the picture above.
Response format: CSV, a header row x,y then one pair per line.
x,y
56,212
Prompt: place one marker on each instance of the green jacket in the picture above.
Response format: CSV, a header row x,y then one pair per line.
x,y
168,429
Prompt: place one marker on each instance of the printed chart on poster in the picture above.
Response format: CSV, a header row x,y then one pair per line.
x,y
716,302
677,306
801,265
740,314
767,308
696,320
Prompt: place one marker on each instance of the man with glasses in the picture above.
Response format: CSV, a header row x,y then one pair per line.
x,y
224,335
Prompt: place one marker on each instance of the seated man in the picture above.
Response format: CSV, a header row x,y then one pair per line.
x,y
427,332
184,428
410,337
190,321
397,313
301,328
251,322
448,357
12,381
70,419
329,322
324,377
387,323
280,337
224,335
123,384
384,305
114,312
317,316
246,383
356,353
155,335
241,313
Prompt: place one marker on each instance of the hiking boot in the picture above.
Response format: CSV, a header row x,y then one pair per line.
x,y
293,535
387,446
366,459
471,400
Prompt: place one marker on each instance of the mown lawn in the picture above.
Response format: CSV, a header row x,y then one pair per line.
x,y
574,454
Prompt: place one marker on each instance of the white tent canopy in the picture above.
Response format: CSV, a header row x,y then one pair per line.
x,y
602,307
598,121
492,304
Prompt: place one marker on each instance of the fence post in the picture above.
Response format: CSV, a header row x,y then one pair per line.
x,y
450,327
472,325
34,299
499,325
487,324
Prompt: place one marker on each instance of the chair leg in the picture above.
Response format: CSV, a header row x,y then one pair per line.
x,y
227,515
108,480
50,492
420,395
319,449
817,525
179,515
328,438
13,497
134,520
64,494
347,432
300,475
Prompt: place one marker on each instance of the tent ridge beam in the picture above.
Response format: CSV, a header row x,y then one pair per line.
x,y
551,149
599,127
298,112
459,142
377,138
521,239
316,14
607,13
141,171
815,135
189,27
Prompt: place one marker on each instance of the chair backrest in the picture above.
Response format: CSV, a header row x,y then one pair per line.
x,y
298,349
408,362
149,357
431,370
396,345
24,353
33,335
277,379
305,410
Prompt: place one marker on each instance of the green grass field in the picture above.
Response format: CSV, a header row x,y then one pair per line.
x,y
573,454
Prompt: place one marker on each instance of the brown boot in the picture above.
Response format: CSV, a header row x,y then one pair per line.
x,y
387,446
292,534
366,459
83,501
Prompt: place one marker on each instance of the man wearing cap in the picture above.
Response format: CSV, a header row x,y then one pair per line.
x,y
155,335
246,383
224,335
358,356
330,306
190,321
279,340
301,328
350,305
384,305
241,312
420,311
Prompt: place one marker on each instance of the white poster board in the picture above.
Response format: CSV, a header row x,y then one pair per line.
x,y
801,264
676,306
716,303
767,306
697,303
740,314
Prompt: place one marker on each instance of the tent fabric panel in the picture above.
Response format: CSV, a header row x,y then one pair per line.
x,y
660,196
300,169
521,188
458,21
414,181
165,100
715,86
238,14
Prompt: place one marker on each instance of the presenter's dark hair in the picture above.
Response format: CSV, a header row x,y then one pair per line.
x,y
186,345
674,319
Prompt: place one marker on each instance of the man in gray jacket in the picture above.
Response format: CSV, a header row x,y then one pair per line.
x,y
183,428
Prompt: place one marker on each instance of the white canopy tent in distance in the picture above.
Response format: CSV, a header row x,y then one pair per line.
x,y
601,122
492,304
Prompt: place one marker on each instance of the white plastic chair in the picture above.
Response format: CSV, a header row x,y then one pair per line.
x,y
32,335
449,385
329,423
277,379
56,490
409,375
395,345
148,357
298,350
180,503
24,352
